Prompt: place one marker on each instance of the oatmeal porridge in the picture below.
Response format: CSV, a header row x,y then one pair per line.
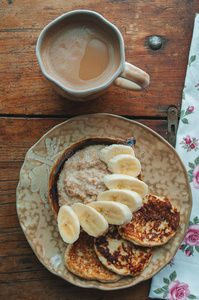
x,y
81,179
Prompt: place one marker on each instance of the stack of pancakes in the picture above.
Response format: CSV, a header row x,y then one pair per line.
x,y
124,250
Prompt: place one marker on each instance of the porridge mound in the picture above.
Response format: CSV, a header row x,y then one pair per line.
x,y
81,179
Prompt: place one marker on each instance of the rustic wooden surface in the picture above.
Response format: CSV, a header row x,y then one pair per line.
x,y
29,108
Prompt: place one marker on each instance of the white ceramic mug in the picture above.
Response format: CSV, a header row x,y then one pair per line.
x,y
125,75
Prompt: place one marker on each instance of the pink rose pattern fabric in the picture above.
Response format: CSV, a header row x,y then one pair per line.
x,y
193,173
185,113
192,236
178,290
174,289
190,143
183,282
191,240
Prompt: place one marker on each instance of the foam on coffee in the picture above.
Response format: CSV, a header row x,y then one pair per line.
x,y
80,55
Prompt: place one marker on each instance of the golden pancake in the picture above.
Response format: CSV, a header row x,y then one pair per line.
x,y
81,260
153,224
121,256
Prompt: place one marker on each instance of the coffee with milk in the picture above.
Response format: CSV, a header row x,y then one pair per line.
x,y
80,55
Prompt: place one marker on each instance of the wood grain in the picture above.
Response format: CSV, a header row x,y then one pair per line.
x,y
29,108
22,276
24,90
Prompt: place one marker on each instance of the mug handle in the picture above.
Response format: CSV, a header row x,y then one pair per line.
x,y
132,78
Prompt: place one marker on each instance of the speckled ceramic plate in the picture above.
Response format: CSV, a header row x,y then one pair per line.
x,y
162,170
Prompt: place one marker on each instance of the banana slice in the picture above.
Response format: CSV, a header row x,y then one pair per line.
x,y
90,220
130,198
114,212
68,224
120,181
125,164
108,152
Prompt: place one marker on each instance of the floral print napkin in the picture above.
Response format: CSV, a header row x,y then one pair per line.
x,y
179,280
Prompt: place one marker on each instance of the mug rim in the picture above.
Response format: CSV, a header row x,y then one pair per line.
x,y
89,90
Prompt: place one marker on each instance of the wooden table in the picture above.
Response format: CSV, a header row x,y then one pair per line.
x,y
29,108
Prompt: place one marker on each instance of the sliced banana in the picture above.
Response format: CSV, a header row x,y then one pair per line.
x,y
130,198
114,212
124,164
68,224
90,220
120,181
109,151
